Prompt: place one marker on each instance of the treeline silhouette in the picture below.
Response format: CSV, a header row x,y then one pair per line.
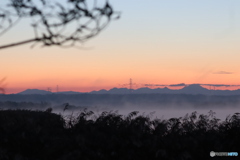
x,y
42,135
139,100
24,105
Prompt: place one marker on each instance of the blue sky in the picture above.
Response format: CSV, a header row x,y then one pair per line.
x,y
160,41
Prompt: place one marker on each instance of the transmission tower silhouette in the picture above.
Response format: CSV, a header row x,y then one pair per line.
x,y
49,89
130,84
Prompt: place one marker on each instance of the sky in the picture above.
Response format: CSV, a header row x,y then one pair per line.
x,y
154,42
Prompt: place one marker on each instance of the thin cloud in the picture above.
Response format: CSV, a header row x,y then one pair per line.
x,y
177,85
218,85
154,85
221,85
223,72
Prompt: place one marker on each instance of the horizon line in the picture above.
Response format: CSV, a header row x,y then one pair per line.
x,y
179,87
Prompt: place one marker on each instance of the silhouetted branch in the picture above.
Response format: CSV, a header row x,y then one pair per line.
x,y
18,43
57,23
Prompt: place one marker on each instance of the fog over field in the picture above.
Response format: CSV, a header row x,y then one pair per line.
x,y
156,112
157,105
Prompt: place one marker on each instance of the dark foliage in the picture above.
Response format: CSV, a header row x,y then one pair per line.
x,y
37,135
57,23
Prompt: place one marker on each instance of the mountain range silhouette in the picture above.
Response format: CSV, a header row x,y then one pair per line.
x,y
190,89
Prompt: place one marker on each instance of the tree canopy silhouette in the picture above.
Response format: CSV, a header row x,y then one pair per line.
x,y
65,23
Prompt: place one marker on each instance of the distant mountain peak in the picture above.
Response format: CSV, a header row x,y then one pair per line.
x,y
194,86
35,91
194,89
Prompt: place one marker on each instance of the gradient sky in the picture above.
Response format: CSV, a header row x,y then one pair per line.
x,y
159,42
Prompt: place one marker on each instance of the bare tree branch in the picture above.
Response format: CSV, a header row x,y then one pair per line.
x,y
18,43
57,24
